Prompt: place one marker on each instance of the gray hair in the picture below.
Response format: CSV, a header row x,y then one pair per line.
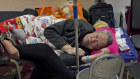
x,y
110,38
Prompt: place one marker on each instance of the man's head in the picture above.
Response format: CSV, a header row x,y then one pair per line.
x,y
97,40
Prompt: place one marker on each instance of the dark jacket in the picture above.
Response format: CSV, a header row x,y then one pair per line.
x,y
63,33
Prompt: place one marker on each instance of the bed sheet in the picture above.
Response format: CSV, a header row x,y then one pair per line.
x,y
129,56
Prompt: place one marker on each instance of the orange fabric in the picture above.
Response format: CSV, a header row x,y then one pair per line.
x,y
46,11
80,11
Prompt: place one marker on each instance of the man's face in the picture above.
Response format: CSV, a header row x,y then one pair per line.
x,y
95,40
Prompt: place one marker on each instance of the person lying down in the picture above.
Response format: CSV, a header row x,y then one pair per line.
x,y
62,36
111,49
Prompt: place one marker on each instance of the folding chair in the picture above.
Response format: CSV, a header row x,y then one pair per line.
x,y
10,68
108,66
134,70
3,62
134,27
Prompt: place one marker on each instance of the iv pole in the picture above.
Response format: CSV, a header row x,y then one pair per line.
x,y
75,16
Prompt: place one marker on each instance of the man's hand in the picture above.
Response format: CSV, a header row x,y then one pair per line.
x,y
72,51
105,51
12,51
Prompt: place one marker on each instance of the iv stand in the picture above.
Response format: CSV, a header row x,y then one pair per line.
x,y
75,16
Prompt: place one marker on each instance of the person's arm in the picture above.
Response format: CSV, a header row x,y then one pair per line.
x,y
113,48
92,57
54,33
57,32
71,50
12,51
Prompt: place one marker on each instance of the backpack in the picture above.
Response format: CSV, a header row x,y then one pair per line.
x,y
102,11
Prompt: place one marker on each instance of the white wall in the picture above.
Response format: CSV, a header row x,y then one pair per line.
x,y
19,5
16,5
118,5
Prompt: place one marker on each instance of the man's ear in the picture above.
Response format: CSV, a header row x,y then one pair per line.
x,y
105,31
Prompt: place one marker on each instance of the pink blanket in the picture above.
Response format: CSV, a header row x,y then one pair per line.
x,y
114,46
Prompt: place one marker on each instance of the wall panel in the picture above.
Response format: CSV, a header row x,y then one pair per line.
x,y
15,5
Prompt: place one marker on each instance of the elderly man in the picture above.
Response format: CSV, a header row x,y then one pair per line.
x,y
62,36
